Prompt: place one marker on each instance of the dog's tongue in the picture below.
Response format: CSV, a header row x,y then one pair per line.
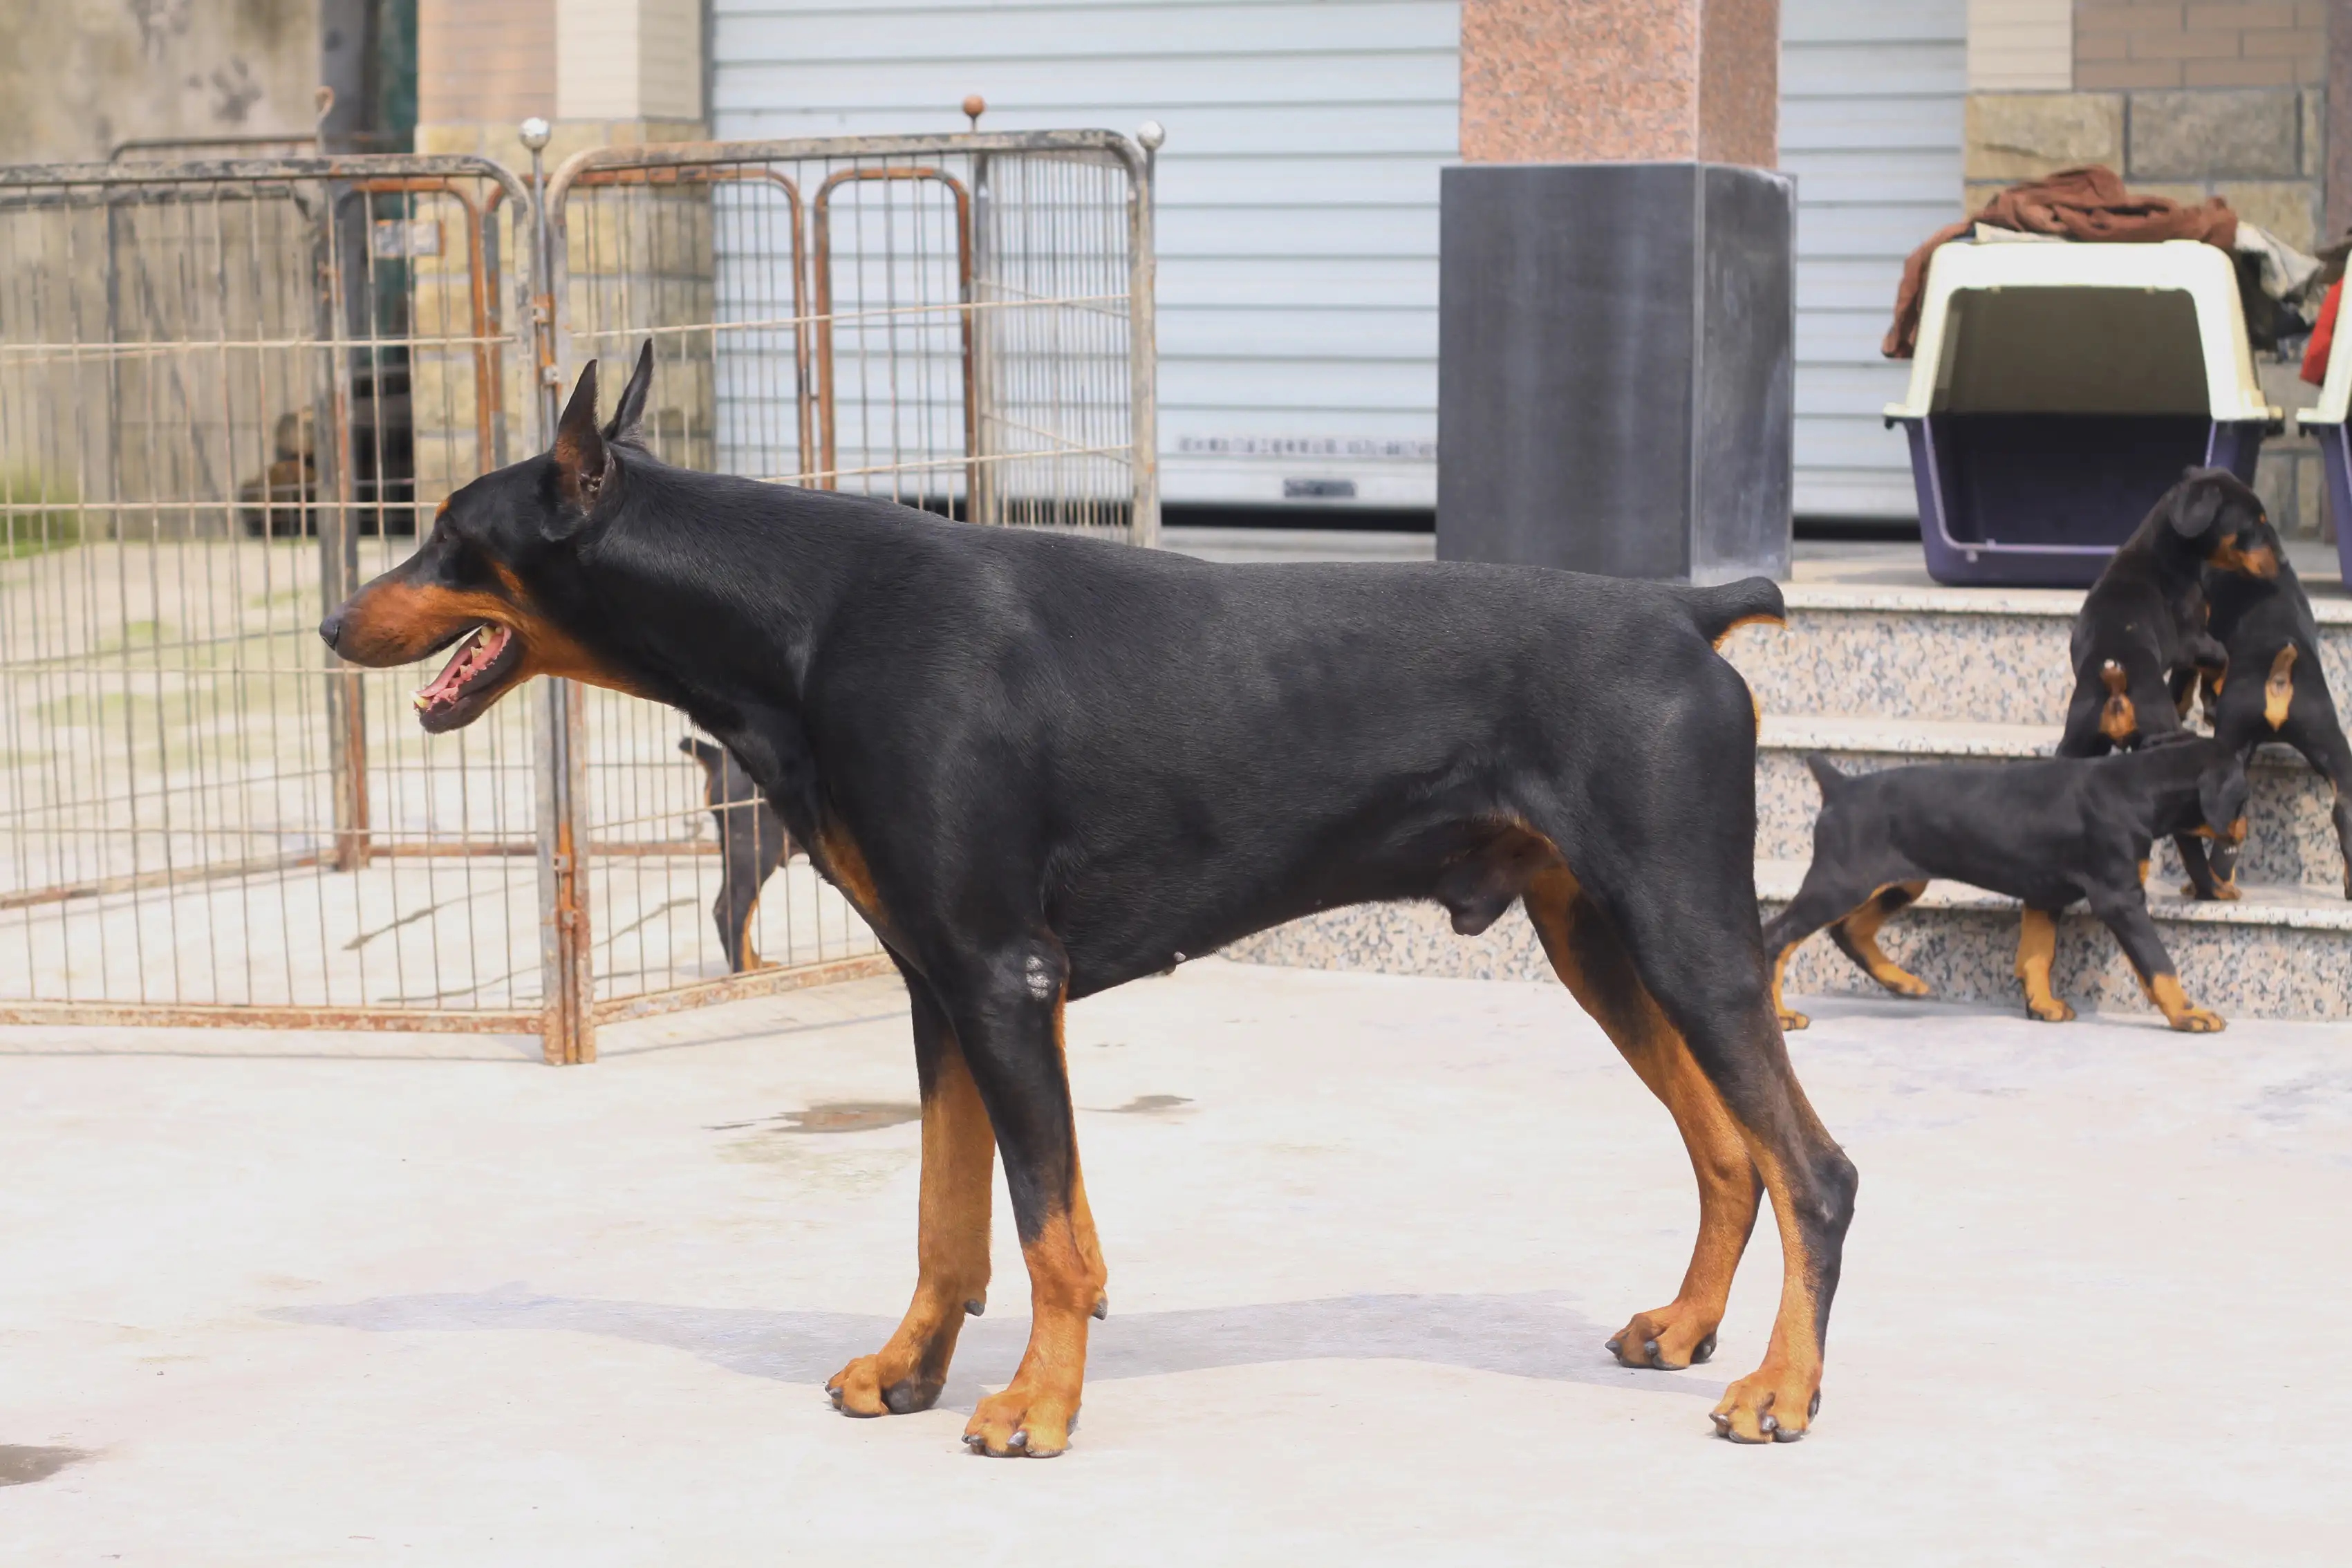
x,y
472,654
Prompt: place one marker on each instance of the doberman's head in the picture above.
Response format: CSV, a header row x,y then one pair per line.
x,y
2222,522
478,580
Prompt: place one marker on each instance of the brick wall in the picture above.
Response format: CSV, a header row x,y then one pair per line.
x,y
2222,43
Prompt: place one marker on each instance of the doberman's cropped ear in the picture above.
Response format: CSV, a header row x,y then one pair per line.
x,y
2221,794
2195,502
630,416
583,464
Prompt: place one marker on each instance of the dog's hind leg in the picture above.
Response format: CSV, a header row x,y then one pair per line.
x,y
951,1245
2316,733
1593,963
2037,945
1858,938
2125,915
1684,964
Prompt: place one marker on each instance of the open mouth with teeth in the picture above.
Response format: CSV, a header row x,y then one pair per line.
x,y
483,666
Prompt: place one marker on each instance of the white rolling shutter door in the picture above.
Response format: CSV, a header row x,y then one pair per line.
x,y
1871,99
1297,208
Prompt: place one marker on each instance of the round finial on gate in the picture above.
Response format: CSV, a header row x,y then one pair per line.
x,y
1151,134
974,106
534,132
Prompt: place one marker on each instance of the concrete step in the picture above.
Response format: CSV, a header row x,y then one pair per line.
x,y
2280,952
2290,839
1954,655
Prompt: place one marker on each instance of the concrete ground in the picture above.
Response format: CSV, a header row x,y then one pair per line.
x,y
327,1299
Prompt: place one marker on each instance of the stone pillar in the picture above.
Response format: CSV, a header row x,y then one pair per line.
x,y
1616,311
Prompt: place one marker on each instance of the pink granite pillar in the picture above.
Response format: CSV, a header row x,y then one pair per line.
x,y
1616,81
1616,309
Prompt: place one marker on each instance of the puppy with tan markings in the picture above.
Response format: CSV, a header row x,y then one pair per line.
x,y
2140,640
2047,832
2276,691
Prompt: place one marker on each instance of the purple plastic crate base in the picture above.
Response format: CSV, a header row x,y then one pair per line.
x,y
2336,462
2041,500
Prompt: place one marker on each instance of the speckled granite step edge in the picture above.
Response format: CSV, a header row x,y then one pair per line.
x,y
2303,908
2329,610
1867,734
1965,953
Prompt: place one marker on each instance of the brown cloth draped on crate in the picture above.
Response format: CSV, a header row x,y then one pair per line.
x,y
2077,204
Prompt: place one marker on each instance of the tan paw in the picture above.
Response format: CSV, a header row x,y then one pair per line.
x,y
1769,1406
864,1387
1906,985
2224,892
1799,1021
1021,1422
2055,1011
1667,1340
2197,1021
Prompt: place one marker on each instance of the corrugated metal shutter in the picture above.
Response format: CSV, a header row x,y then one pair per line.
x,y
1298,200
1872,94
1298,194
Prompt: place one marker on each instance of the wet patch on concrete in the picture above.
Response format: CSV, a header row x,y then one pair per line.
x,y
23,1465
1143,1104
846,1116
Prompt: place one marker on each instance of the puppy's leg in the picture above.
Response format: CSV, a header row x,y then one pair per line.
x,y
2037,944
1829,894
1858,938
2211,875
2124,913
1590,960
951,1245
1008,1016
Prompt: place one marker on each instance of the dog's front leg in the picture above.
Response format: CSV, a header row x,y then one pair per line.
x,y
1008,1015
958,1162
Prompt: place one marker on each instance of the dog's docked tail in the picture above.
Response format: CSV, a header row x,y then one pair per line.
x,y
1826,775
1720,610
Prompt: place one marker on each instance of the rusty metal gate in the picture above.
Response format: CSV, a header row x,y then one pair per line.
x,y
230,392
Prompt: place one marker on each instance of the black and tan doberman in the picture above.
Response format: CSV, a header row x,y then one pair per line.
x,y
2049,833
752,842
2141,641
2277,689
1041,765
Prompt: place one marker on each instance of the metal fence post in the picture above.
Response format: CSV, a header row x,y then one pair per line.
x,y
566,952
1143,350
338,545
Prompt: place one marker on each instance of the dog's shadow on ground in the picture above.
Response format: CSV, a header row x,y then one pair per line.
x,y
1535,1336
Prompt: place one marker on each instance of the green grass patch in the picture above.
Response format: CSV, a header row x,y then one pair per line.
x,y
37,514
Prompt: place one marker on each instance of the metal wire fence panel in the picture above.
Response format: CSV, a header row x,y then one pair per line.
x,y
228,392
231,392
958,323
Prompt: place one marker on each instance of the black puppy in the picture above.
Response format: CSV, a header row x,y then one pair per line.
x,y
752,843
2047,832
2140,639
1041,766
2276,691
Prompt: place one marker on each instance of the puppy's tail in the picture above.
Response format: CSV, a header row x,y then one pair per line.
x,y
1722,609
1826,775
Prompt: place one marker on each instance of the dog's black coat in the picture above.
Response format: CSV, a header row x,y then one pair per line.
x,y
2049,833
751,844
2140,639
2270,696
1044,765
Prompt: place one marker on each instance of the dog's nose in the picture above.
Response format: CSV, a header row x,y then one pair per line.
x,y
331,631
